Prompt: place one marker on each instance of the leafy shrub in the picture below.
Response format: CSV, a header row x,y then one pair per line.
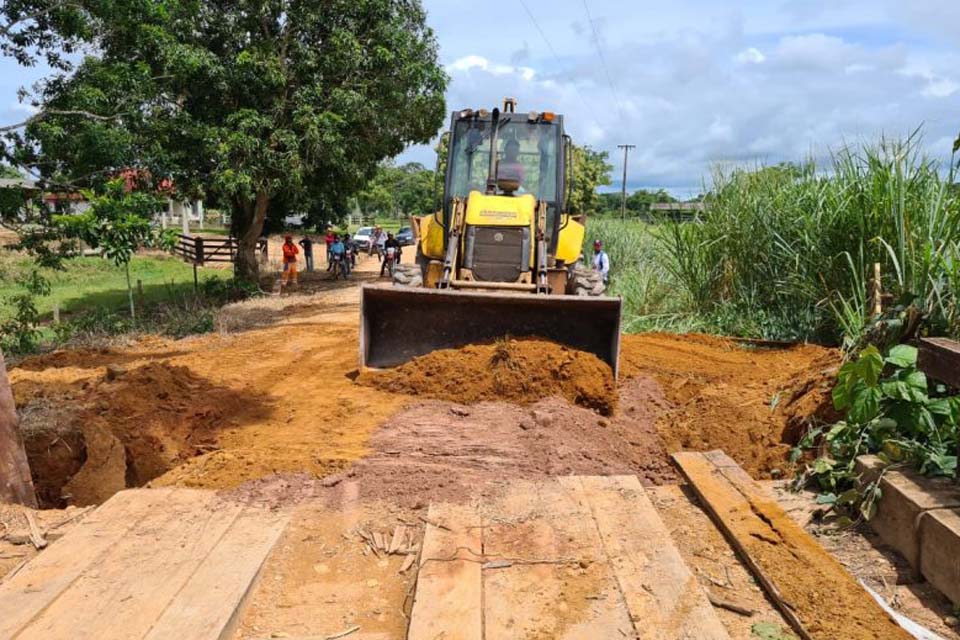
x,y
19,333
891,411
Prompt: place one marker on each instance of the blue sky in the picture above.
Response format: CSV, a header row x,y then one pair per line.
x,y
696,83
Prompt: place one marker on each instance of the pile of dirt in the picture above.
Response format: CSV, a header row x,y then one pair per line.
x,y
753,402
520,371
447,451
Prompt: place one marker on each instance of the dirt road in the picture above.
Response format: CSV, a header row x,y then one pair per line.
x,y
271,409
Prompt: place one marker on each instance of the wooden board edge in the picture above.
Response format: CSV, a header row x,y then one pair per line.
x,y
690,465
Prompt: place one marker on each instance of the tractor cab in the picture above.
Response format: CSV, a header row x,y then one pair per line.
x,y
507,154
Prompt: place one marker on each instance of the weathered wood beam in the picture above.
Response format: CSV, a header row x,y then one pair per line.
x,y
940,358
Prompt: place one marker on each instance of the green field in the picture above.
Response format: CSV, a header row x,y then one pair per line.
x,y
88,283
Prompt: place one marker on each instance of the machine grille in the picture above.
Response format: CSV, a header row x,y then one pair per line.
x,y
497,254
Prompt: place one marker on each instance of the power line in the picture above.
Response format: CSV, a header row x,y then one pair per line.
x,y
603,60
553,52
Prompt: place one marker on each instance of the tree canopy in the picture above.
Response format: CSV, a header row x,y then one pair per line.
x,y
399,191
245,101
590,170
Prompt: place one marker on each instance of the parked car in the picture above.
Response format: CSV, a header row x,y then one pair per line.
x,y
405,236
362,237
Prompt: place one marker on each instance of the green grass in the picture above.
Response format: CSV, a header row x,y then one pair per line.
x,y
96,283
786,252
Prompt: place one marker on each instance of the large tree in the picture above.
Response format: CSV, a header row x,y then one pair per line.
x,y
590,170
245,100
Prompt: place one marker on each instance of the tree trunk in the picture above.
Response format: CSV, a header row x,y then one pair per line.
x,y
133,311
15,482
250,217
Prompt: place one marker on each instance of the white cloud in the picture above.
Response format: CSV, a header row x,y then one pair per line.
x,y
701,81
935,85
941,88
752,55
814,51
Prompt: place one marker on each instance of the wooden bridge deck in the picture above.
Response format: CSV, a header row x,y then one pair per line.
x,y
150,564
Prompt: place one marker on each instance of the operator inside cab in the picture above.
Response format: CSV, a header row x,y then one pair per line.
x,y
510,168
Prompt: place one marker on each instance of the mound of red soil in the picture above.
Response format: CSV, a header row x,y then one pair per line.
x,y
518,371
754,403
443,451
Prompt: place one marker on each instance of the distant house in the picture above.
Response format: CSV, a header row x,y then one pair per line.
x,y
676,210
174,212
65,202
22,184
26,188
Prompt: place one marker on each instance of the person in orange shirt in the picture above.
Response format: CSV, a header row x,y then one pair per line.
x,y
290,252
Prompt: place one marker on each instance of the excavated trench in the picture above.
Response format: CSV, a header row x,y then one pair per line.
x,y
91,439
94,424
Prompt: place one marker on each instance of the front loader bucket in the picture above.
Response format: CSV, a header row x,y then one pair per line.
x,y
398,324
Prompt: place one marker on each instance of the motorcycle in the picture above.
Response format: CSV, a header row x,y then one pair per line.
x,y
391,259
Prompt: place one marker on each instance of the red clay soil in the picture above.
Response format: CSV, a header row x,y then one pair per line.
x,y
445,451
754,403
517,371
128,428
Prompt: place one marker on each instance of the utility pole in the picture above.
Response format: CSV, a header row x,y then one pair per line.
x,y
623,203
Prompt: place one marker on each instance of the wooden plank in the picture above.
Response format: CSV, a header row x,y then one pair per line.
x,y
209,604
813,591
662,594
27,594
16,485
940,358
448,601
122,596
545,573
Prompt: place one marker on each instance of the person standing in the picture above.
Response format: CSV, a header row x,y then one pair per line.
x,y
307,245
601,261
290,252
328,239
376,241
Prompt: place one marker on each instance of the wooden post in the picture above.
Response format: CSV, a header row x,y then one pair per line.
x,y
56,312
16,485
876,292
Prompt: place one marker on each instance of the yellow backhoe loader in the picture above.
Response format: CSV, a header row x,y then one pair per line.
x,y
501,257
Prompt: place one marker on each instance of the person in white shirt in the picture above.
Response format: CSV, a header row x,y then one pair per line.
x,y
601,261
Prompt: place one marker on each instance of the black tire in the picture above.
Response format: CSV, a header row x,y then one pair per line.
x,y
586,282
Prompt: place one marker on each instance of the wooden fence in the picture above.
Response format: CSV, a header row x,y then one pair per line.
x,y
199,250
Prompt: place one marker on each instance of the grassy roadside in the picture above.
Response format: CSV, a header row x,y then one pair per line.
x,y
97,283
